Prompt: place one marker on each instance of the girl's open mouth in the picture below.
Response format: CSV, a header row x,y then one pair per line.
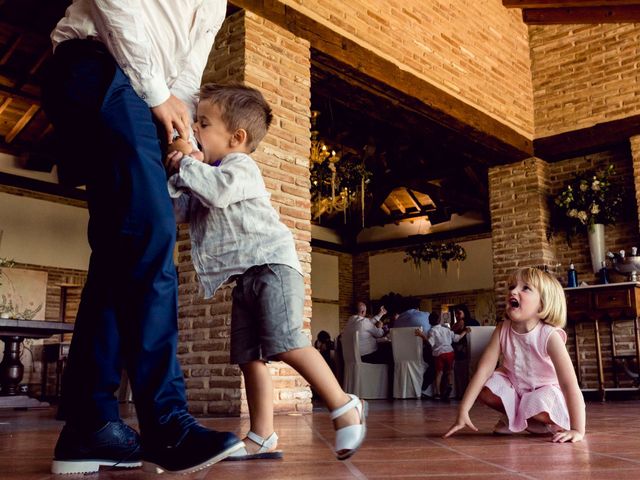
x,y
514,303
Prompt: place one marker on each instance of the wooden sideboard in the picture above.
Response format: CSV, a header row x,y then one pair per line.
x,y
602,306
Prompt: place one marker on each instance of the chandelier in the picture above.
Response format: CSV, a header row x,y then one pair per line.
x,y
337,182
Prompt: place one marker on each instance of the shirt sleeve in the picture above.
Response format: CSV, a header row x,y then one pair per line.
x,y
209,18
236,179
130,45
181,202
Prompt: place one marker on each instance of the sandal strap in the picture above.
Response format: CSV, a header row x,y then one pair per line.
x,y
353,403
265,443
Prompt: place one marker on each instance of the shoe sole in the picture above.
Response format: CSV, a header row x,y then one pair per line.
x,y
69,467
150,467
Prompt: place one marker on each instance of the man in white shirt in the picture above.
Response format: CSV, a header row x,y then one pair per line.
x,y
371,333
123,77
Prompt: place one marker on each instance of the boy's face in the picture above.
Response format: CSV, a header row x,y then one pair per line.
x,y
211,132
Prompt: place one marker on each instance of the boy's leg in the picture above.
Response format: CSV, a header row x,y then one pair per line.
x,y
436,386
309,363
259,389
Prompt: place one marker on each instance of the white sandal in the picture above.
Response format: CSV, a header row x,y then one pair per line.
x,y
263,452
350,438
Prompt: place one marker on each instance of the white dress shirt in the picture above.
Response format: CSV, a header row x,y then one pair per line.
x,y
232,224
441,338
161,45
367,331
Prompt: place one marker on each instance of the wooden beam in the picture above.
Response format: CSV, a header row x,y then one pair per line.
x,y
5,104
567,3
15,183
12,48
597,138
574,16
20,124
443,108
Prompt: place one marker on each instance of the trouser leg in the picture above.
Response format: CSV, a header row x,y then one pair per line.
x,y
128,311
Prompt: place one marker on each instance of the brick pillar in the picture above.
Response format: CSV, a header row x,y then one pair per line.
x,y
635,161
519,220
260,54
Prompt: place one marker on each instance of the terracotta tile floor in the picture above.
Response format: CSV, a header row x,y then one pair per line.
x,y
403,443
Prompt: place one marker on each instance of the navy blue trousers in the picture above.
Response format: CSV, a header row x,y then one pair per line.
x,y
128,311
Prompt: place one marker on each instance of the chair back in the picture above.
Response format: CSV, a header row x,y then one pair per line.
x,y
367,380
477,340
405,345
351,347
409,366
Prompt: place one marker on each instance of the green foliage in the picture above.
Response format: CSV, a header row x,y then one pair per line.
x,y
441,252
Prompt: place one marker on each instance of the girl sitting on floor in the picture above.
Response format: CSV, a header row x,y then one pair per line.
x,y
535,387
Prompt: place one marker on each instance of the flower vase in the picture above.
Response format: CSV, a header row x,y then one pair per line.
x,y
595,233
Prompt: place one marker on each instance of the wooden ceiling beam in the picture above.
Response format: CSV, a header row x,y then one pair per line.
x,y
567,3
587,15
20,124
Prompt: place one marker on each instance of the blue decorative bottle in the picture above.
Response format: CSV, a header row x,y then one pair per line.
x,y
572,276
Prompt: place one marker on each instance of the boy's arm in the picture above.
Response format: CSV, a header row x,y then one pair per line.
x,y
237,178
180,204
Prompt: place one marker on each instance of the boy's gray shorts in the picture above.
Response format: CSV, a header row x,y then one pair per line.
x,y
267,312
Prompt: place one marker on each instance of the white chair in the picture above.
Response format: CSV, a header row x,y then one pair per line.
x,y
409,365
366,380
477,340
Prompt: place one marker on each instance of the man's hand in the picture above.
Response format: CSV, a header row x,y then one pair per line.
x,y
173,114
383,311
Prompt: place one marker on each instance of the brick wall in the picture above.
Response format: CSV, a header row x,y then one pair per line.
x,y
465,47
583,75
519,219
251,50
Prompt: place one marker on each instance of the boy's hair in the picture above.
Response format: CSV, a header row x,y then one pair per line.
x,y
434,318
554,304
240,107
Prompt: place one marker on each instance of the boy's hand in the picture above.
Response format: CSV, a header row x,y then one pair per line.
x,y
462,421
172,163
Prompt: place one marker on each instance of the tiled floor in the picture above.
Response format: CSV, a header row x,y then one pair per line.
x,y
403,443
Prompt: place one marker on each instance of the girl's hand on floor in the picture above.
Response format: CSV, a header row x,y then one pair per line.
x,y
567,436
462,421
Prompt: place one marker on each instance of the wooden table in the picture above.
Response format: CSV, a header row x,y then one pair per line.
x,y
12,333
603,304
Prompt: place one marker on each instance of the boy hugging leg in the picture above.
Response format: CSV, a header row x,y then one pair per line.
x,y
236,234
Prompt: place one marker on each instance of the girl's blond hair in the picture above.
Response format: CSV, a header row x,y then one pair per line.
x,y
554,304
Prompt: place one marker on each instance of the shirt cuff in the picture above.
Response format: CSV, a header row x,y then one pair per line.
x,y
154,92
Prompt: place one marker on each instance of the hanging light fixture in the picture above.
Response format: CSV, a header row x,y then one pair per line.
x,y
336,183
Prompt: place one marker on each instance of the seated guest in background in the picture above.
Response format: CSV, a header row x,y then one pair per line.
x,y
412,317
463,319
325,346
369,330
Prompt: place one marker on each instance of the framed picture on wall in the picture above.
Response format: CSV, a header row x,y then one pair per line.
x,y
23,293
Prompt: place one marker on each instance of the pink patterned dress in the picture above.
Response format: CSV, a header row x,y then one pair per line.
x,y
526,381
